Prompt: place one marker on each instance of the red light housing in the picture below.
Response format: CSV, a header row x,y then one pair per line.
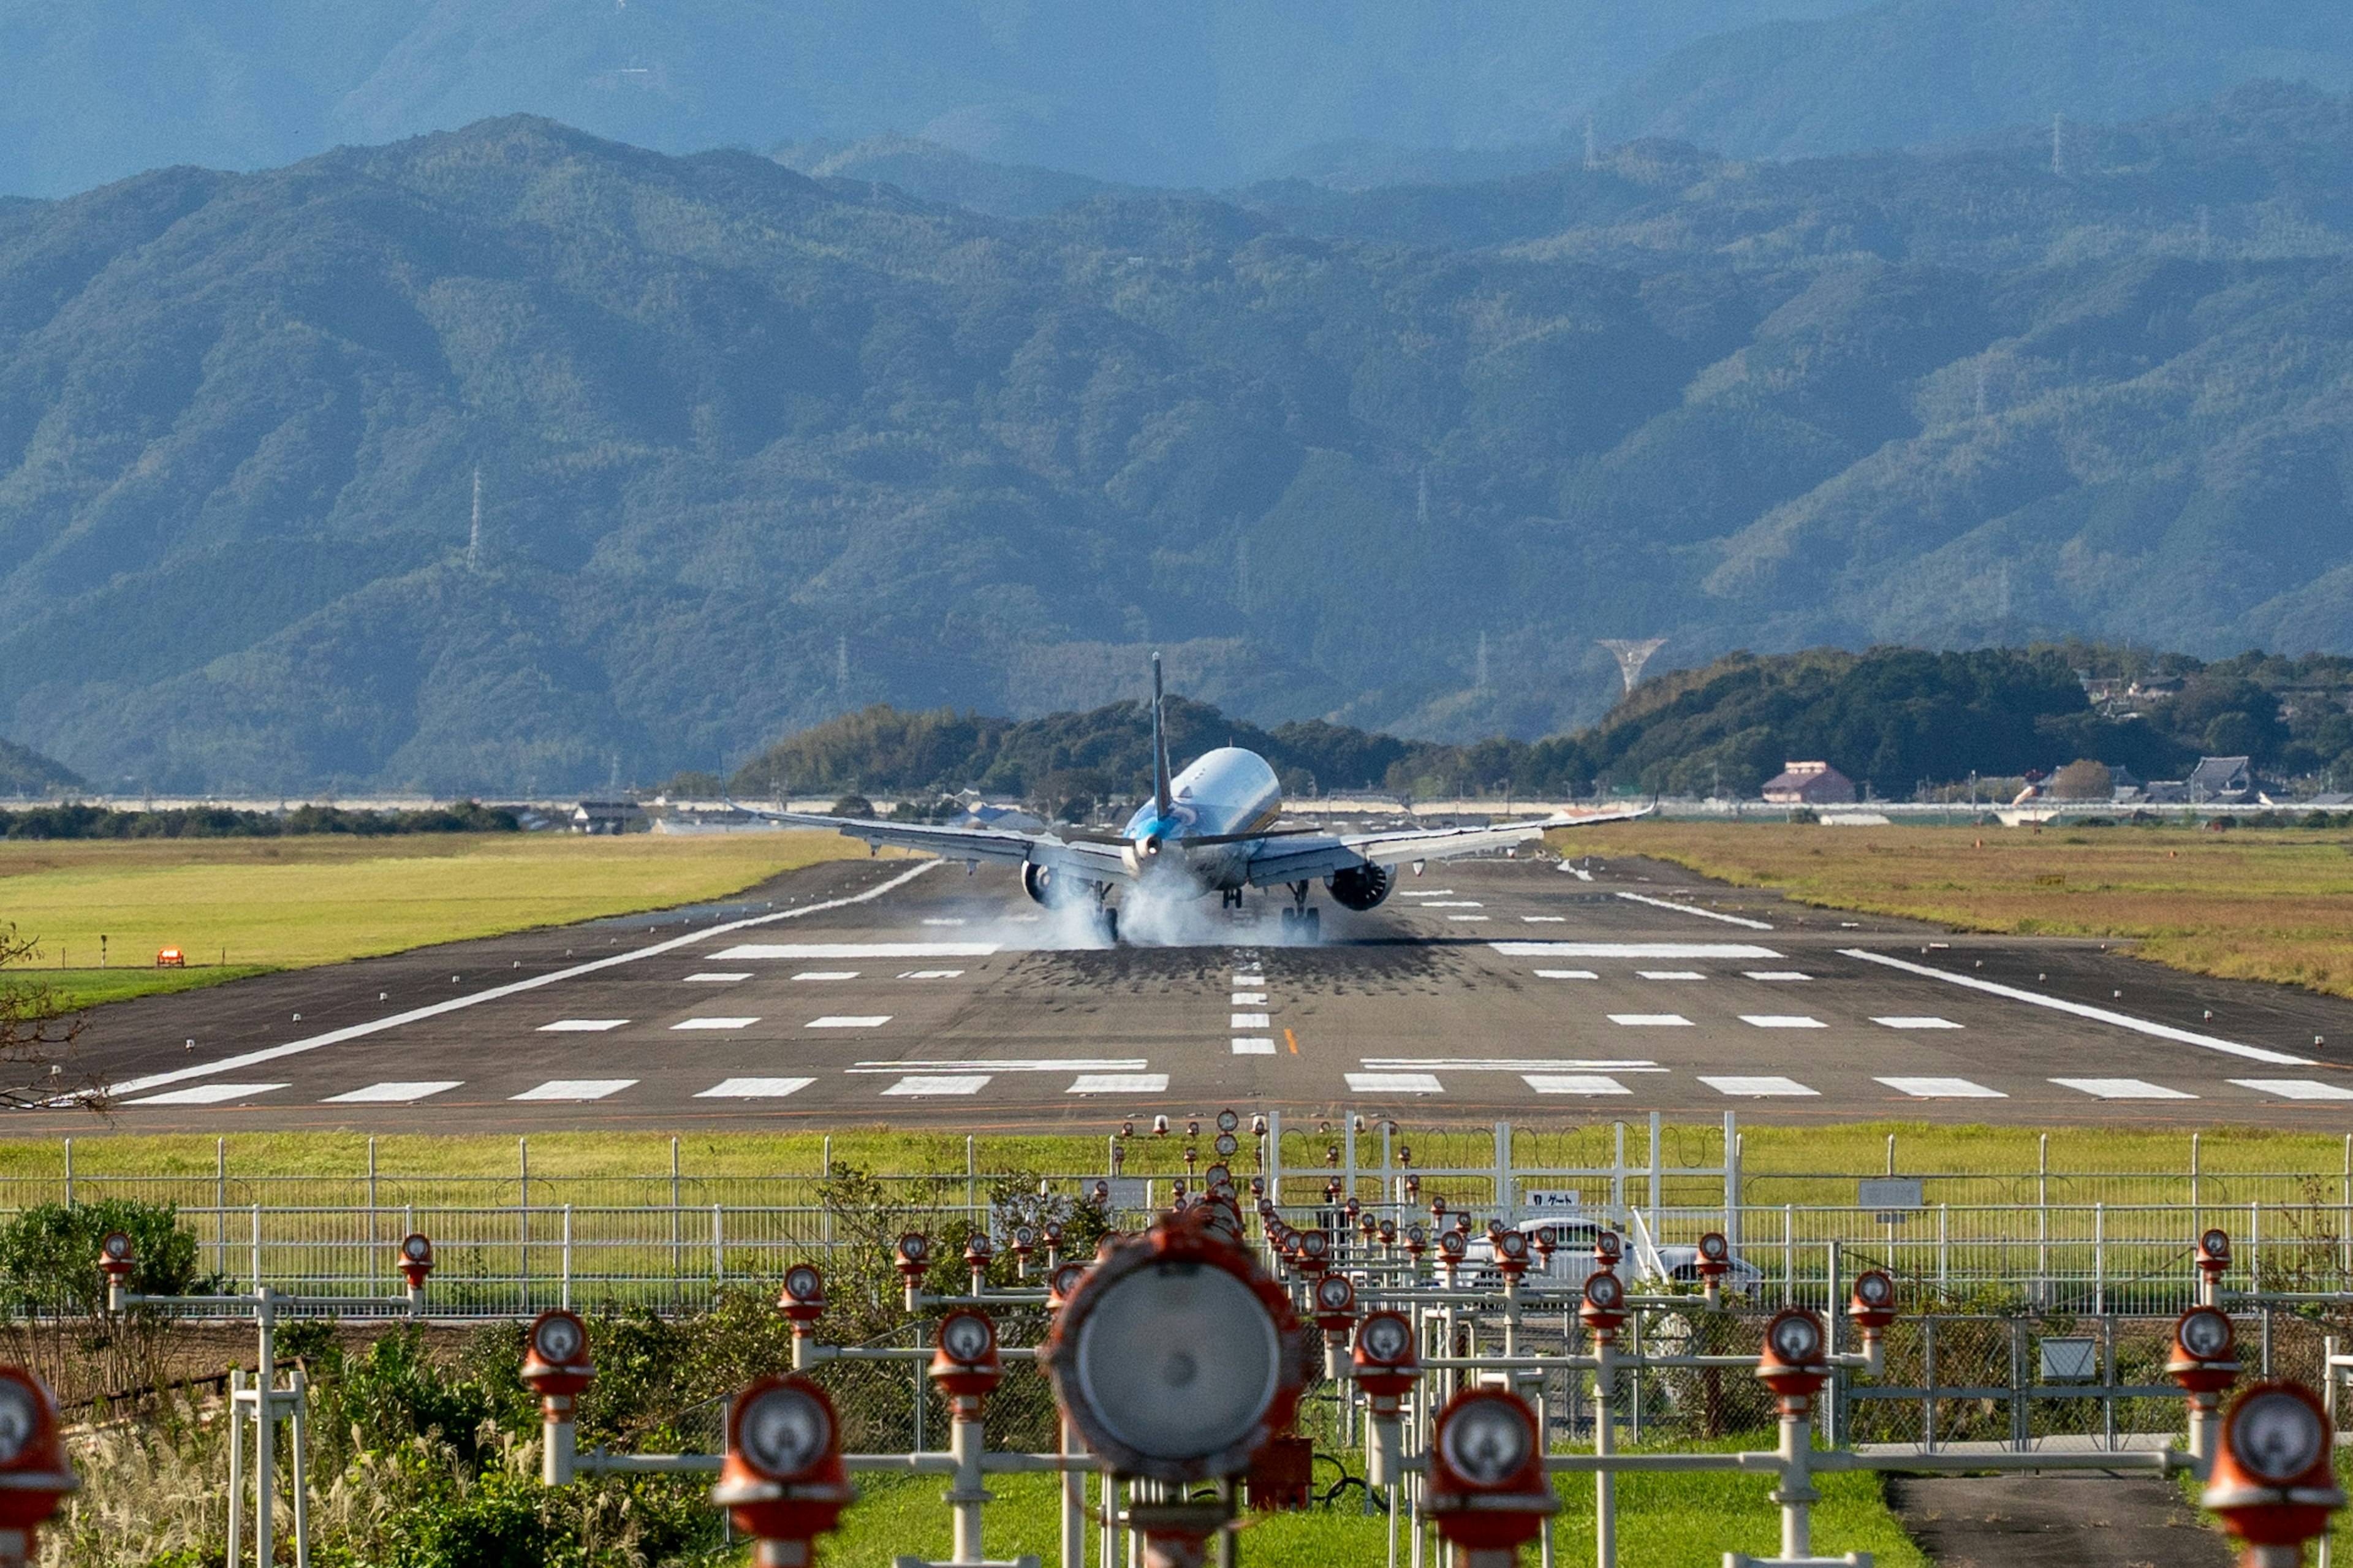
x,y
1603,1307
416,1259
1385,1361
964,1359
782,1480
34,1475
1871,1302
2205,1357
1795,1362
2274,1484
555,1357
802,1300
1487,1487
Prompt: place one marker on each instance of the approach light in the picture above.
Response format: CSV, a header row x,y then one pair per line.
x,y
1178,1355
964,1361
416,1259
1025,1241
2205,1352
1871,1302
116,1258
1335,1303
1228,1122
803,1299
1793,1364
2274,1485
1603,1308
1608,1250
782,1481
915,1255
34,1475
1226,1144
1487,1487
1512,1253
1062,1283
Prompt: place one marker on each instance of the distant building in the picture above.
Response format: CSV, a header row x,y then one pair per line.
x,y
1011,819
2215,781
606,817
1808,784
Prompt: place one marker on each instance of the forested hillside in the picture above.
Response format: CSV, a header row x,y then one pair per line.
x,y
1896,720
756,450
25,772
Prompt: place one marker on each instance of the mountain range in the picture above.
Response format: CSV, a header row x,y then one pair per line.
x,y
755,447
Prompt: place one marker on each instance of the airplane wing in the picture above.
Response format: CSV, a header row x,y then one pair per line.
x,y
1302,859
1083,862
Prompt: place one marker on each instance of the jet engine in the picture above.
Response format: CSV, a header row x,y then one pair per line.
x,y
1360,887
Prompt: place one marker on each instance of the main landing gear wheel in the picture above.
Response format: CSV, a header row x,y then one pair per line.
x,y
1110,918
1308,924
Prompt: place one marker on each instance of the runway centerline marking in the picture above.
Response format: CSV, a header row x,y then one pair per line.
x,y
1923,1022
1394,1083
492,994
1775,974
1247,999
1942,1088
1690,909
843,1021
1508,1064
575,1089
1761,1088
210,1094
1017,1064
1247,1045
1573,1083
1651,1020
581,1026
1119,1083
2121,1088
393,1093
1250,1021
858,949
824,975
1670,974
755,1087
919,1085
2084,1010
2295,1087
1683,950
715,1024
1781,1021
718,977
1566,974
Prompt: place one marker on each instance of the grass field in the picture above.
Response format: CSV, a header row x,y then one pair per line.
x,y
2243,905
241,906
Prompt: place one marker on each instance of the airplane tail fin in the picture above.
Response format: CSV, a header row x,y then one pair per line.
x,y
1159,747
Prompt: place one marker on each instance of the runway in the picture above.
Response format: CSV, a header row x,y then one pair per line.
x,y
910,992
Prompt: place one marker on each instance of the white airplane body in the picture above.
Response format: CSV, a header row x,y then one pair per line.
x,y
1210,828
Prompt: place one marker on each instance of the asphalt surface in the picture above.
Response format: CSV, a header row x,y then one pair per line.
x,y
913,994
2055,1520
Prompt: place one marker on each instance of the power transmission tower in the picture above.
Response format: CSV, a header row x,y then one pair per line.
x,y
1632,656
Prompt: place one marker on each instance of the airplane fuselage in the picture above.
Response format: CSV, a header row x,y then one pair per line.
x,y
1229,794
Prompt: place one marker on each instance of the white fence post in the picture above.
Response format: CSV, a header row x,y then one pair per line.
x,y
566,1299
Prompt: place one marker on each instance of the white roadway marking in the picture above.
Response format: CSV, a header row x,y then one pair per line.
x,y
1119,1083
377,1026
839,1021
2295,1087
1573,1083
715,977
755,1087
1510,1064
1259,1046
581,1026
210,1094
1916,1023
855,949
1758,1087
1651,1020
1685,950
1775,974
1247,999
715,1024
1394,1083
1670,974
1942,1088
918,1086
2121,1088
1566,974
575,1089
1018,1064
2083,1010
1250,1021
1781,1021
393,1093
1689,910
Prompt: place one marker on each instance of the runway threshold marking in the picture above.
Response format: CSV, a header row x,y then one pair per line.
x,y
1942,1088
210,1094
1764,1087
1573,1083
755,1087
395,1093
514,988
2295,1087
2121,1088
2084,1010
1690,909
572,1089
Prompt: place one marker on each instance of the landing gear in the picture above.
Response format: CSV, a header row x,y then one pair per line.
x,y
1298,921
1109,917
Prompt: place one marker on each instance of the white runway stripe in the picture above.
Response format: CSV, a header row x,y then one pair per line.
x,y
847,1021
1454,904
1942,1088
718,977
1013,1064
1758,1087
1691,910
1781,1021
1249,980
1247,999
1250,1021
917,1086
1510,1064
393,1093
755,1087
1394,1083
1651,1020
209,1094
377,1026
2296,1087
2121,1088
1246,1045
1573,1083
1775,974
931,973
1566,974
860,949
581,1026
1545,919
2082,1010
1470,919
1631,950
715,1024
1916,1023
827,974
1670,974
1119,1083
575,1089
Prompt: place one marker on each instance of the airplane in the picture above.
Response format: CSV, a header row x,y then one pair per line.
x,y
1210,828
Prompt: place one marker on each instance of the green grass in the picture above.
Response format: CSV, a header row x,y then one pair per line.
x,y
73,990
1685,1520
281,903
